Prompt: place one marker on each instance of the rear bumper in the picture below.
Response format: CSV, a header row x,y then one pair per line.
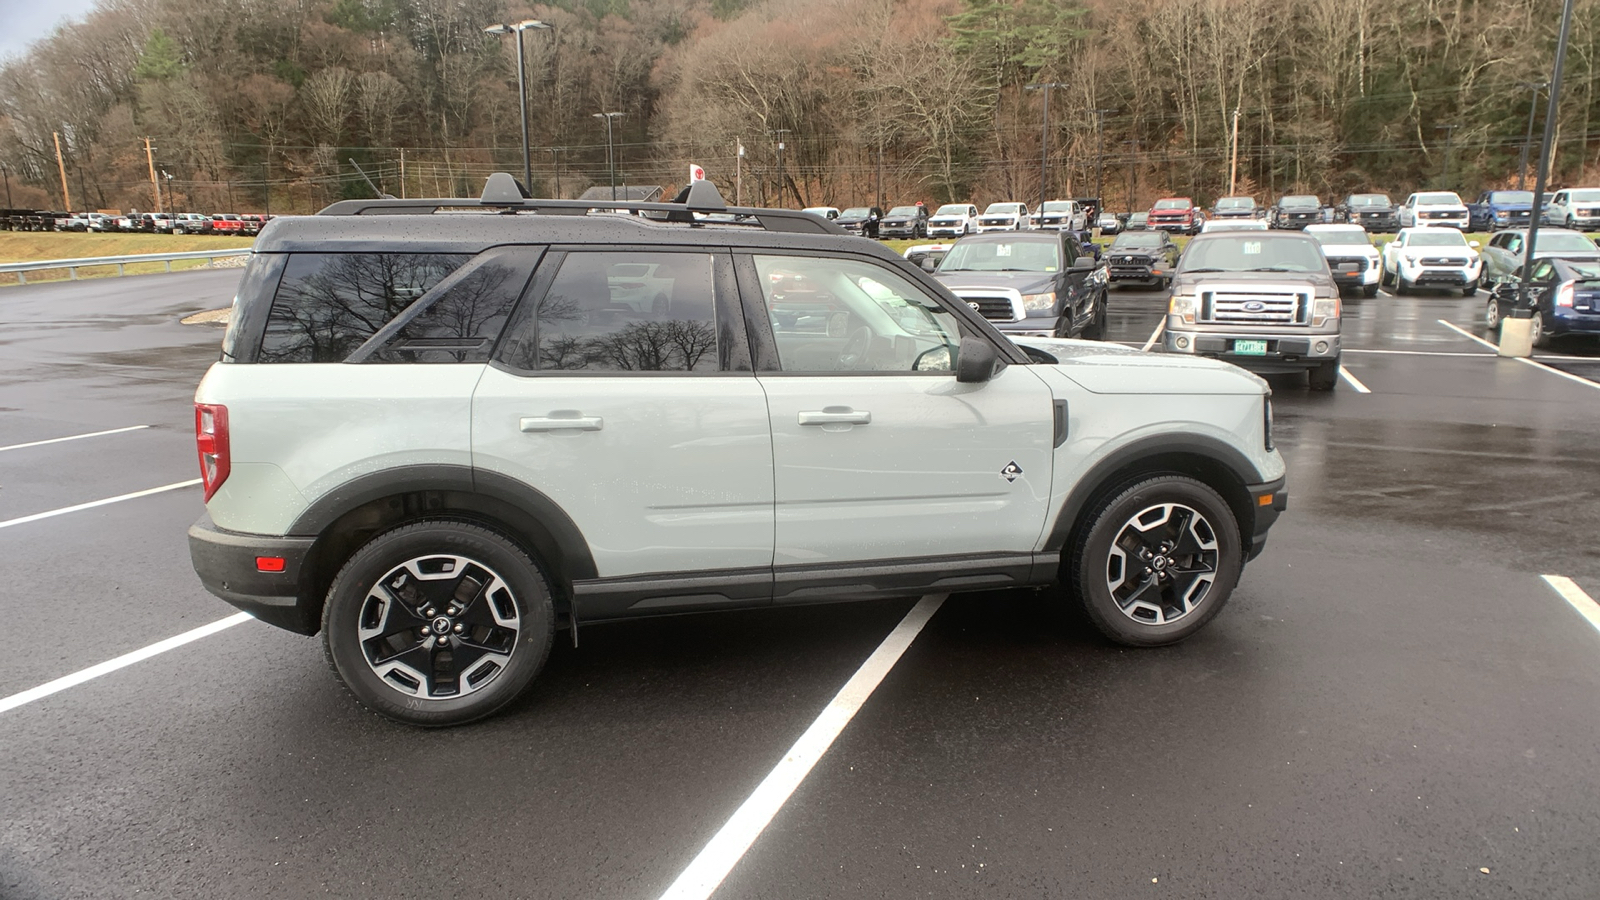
x,y
1268,500
226,564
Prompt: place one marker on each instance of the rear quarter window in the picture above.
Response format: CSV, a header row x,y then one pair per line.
x,y
329,304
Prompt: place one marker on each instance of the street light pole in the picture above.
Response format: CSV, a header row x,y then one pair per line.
x,y
1044,139
783,187
1449,133
738,174
611,164
555,152
1133,174
1533,106
522,87
1521,310
1100,148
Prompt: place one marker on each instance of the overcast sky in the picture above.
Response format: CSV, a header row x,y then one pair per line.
x,y
24,21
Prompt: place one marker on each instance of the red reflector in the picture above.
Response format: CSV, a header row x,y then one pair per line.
x,y
269,564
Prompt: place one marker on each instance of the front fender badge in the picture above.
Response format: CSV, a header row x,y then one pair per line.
x,y
1011,471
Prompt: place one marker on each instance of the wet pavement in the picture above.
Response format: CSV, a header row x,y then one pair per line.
x,y
1393,700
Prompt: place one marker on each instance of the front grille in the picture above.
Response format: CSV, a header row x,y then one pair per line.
x,y
1354,263
1005,221
995,309
1441,215
1441,261
1254,307
1589,212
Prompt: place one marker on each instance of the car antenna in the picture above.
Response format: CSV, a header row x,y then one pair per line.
x,y
381,194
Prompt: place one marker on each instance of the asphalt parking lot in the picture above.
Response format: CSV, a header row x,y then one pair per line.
x,y
1395,704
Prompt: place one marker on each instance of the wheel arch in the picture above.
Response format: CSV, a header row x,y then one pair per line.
x,y
348,516
1222,468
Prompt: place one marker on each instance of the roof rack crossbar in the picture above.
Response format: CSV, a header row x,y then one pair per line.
x,y
502,192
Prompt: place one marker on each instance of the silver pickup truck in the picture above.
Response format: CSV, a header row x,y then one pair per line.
x,y
1263,301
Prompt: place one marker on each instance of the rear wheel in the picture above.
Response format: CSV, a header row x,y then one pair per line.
x,y
1541,338
1155,561
438,623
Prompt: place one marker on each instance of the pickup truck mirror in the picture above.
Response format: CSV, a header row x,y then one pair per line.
x,y
975,361
1474,244
928,264
1082,264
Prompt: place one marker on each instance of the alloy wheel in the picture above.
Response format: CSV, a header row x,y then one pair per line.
x,y
439,626
1162,563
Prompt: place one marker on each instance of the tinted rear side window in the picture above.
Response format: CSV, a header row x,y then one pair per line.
x,y
328,304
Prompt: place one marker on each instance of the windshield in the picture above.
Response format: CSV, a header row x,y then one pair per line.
x,y
1238,253
903,211
1136,240
1370,200
1003,256
1301,200
1172,204
997,209
1511,197
1436,237
1058,206
1441,198
1236,203
1564,242
1341,236
952,209
1584,196
1138,217
856,211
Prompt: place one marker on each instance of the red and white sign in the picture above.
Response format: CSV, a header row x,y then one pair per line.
x,y
696,173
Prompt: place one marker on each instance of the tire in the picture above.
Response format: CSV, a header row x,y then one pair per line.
x,y
1202,544
1491,316
1469,290
1369,291
1571,225
508,620
1324,377
1541,338
1096,329
1401,287
1385,278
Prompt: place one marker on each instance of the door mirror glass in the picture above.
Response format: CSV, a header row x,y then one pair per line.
x,y
935,360
975,361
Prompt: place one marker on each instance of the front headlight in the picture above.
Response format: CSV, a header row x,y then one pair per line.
x,y
1039,302
1323,309
1183,307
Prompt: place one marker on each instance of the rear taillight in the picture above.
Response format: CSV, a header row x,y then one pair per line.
x,y
211,439
1565,293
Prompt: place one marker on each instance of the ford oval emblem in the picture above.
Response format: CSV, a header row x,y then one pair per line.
x,y
1254,306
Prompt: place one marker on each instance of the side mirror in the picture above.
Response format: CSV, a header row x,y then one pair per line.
x,y
1474,244
928,264
975,361
1082,264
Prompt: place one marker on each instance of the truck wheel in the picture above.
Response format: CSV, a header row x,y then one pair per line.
x,y
1401,288
438,623
1325,376
1155,561
1469,290
1369,290
1096,329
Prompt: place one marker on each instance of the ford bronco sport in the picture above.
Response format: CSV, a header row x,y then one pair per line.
x,y
442,429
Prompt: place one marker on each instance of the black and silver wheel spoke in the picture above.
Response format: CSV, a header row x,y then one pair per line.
x,y
1162,563
439,626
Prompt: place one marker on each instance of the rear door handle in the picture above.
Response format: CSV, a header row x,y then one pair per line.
x,y
836,415
535,424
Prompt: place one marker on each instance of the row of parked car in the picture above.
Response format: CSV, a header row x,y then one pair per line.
x,y
1573,208
134,222
958,219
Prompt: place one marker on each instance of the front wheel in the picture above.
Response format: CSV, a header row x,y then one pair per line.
x,y
1468,290
1325,377
1096,329
1154,562
1369,291
1491,316
438,623
1401,286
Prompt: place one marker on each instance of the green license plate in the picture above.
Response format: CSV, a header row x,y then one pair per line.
x,y
1250,348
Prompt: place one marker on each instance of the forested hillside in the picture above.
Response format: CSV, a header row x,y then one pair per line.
x,y
255,102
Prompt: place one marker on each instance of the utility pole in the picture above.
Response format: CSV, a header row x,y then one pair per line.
x,y
1233,162
1449,133
65,196
738,174
1100,149
402,173
1044,138
150,159
1527,140
555,153
168,176
783,187
7,173
1133,174
610,159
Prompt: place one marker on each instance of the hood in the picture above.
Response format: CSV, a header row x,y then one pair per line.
x,y
1103,368
1363,249
1021,282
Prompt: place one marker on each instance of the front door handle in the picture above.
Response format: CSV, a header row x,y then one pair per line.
x,y
561,421
835,415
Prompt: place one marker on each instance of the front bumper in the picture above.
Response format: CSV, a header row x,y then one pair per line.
x,y
226,564
1267,501
1435,277
1119,272
1033,326
1285,353
1174,226
1384,222
900,231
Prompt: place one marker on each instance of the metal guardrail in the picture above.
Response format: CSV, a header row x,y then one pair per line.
x,y
121,262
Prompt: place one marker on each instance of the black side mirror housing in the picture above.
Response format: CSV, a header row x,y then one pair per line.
x,y
975,361
1082,264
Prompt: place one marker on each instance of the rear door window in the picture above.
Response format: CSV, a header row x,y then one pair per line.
x,y
328,304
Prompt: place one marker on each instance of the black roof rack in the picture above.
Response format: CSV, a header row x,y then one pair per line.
x,y
502,193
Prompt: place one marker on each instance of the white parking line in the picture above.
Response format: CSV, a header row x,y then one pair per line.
x,y
1570,592
75,437
1353,381
23,520
1521,359
730,844
1154,335
111,665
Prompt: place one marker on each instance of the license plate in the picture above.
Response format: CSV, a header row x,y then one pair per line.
x,y
1250,348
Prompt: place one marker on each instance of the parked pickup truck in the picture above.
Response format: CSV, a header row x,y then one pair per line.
x,y
1177,215
1495,210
